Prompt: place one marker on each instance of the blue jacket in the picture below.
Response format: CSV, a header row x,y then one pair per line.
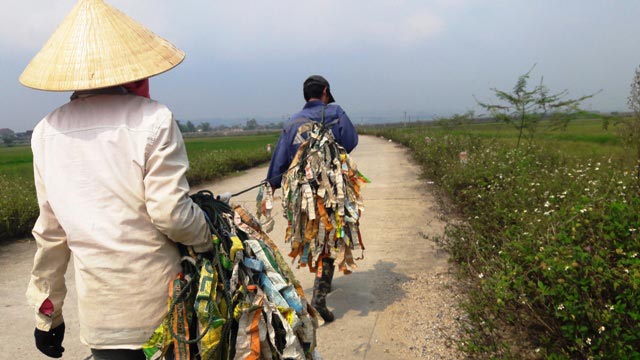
x,y
286,148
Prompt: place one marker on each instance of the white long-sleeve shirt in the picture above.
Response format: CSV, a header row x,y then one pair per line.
x,y
110,177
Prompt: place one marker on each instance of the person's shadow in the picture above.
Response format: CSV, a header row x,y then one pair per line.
x,y
365,291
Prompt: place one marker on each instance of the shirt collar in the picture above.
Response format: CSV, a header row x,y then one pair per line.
x,y
114,90
313,103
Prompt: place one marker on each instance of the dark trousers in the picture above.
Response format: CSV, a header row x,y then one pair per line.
x,y
124,354
118,354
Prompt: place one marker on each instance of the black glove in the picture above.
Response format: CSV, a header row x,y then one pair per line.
x,y
50,342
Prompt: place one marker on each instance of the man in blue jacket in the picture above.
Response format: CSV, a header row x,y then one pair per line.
x,y
317,94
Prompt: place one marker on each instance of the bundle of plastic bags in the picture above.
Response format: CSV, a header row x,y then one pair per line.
x,y
241,301
322,202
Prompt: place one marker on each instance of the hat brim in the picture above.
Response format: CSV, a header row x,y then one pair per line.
x,y
98,46
331,99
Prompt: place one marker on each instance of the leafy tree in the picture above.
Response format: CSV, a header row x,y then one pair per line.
x,y
182,127
8,137
9,140
204,126
251,124
525,108
190,127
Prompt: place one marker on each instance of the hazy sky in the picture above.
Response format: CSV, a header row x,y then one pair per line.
x,y
382,57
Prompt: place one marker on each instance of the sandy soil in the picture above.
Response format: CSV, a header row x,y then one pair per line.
x,y
399,304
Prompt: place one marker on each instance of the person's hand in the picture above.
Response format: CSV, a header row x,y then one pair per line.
x,y
50,342
224,197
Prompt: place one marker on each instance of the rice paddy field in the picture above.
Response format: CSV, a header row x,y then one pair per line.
x,y
210,158
547,242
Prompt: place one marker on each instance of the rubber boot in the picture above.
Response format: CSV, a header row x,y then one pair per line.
x,y
321,287
330,269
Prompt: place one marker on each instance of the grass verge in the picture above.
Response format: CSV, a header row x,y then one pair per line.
x,y
549,246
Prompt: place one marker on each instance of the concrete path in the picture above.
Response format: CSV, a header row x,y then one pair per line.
x,y
396,305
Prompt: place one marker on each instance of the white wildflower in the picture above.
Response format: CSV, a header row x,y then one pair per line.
x,y
601,329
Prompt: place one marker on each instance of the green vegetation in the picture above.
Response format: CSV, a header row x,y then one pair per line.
x,y
210,158
582,136
549,243
526,108
18,203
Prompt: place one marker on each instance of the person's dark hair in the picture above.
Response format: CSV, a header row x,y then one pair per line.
x,y
313,91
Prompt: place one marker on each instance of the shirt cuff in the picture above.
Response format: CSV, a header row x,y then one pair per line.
x,y
207,245
46,323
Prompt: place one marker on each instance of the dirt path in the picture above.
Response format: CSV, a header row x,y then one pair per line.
x,y
396,305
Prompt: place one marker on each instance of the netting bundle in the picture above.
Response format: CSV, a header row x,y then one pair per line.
x,y
322,201
240,301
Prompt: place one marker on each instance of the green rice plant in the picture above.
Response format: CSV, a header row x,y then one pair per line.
x,y
213,158
18,206
214,164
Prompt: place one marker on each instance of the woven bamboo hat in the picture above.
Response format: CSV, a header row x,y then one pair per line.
x,y
97,46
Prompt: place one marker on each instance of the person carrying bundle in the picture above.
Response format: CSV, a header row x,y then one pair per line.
x,y
239,301
317,110
109,170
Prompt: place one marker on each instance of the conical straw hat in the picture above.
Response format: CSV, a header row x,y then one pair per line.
x,y
98,46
